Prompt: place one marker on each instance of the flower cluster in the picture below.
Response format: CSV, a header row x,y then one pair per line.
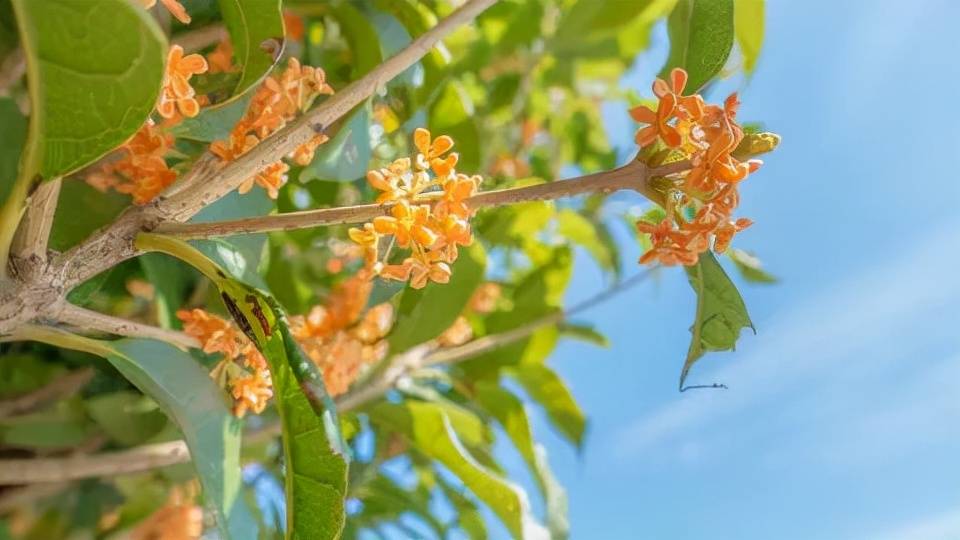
x,y
428,213
700,210
277,101
338,336
141,171
177,97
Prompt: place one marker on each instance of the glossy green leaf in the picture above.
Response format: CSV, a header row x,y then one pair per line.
x,y
427,427
720,315
749,26
12,136
94,70
425,313
548,390
701,36
81,210
583,232
213,123
452,114
190,397
750,267
257,34
511,414
347,155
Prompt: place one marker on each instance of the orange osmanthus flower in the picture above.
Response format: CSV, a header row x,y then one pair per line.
x,y
141,171
178,519
707,135
173,6
220,59
176,95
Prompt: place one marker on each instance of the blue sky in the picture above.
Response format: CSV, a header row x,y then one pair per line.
x,y
842,413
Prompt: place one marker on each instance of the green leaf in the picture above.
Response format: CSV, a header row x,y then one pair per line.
x,y
21,373
256,31
346,157
171,283
701,36
127,417
81,210
94,70
428,428
362,38
748,23
548,390
469,518
452,114
583,232
750,267
61,426
721,313
584,332
511,414
185,391
425,313
417,19
213,123
11,143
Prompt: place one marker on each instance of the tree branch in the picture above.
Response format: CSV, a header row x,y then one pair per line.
x,y
207,181
633,176
143,458
30,241
92,320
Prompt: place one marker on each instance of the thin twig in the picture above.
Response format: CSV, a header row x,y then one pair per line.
x,y
91,320
141,458
30,241
633,176
59,388
201,37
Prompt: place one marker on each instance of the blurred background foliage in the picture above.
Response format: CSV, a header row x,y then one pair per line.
x,y
520,92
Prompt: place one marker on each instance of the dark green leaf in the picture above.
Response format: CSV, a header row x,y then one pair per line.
x,y
21,373
82,210
126,417
428,428
171,283
62,426
362,37
256,31
417,19
190,397
425,313
452,114
701,36
12,135
94,70
721,313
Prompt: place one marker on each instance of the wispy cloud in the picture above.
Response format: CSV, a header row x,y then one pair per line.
x,y
833,342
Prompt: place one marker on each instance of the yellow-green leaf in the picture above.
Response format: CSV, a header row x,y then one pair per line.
x,y
701,36
748,25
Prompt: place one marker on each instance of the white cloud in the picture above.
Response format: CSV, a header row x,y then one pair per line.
x,y
945,526
835,339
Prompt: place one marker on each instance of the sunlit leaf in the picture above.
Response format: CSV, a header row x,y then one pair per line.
x,y
428,428
701,36
749,23
362,37
12,136
750,267
584,332
583,232
548,390
720,315
452,114
94,70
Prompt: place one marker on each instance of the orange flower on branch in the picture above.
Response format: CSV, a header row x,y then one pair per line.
x,y
141,171
177,95
220,59
178,519
429,215
707,135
